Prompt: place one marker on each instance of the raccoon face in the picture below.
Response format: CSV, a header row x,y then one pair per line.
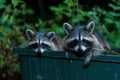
x,y
79,39
40,41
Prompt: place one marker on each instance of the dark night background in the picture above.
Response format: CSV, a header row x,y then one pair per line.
x,y
41,7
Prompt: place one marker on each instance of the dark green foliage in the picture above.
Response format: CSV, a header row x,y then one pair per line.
x,y
12,20
107,22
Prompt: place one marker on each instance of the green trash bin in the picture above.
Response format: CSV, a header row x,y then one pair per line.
x,y
54,66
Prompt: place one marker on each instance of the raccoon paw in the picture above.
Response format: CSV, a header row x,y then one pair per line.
x,y
86,64
67,54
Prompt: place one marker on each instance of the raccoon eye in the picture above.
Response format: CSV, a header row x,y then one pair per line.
x,y
86,42
34,46
44,45
73,43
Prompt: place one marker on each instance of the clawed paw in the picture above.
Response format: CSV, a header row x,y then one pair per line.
x,y
86,63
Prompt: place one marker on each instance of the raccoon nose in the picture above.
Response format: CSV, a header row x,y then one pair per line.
x,y
39,52
80,50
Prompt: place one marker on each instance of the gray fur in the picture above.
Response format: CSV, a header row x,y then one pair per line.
x,y
43,41
88,41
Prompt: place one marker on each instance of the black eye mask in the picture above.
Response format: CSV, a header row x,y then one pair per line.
x,y
34,46
86,42
73,43
45,46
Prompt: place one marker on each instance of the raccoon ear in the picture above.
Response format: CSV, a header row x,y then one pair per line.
x,y
90,27
29,34
67,27
50,35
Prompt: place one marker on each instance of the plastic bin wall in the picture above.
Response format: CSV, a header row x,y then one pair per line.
x,y
55,66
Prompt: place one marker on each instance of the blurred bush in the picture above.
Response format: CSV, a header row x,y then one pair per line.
x,y
12,21
107,22
15,16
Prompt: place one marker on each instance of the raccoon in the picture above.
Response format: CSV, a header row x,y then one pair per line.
x,y
84,40
42,41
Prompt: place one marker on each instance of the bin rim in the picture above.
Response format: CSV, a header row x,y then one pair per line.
x,y
21,51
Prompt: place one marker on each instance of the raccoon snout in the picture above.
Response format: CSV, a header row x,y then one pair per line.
x,y
39,51
80,50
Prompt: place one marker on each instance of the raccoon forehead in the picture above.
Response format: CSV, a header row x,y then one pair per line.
x,y
40,35
39,41
72,35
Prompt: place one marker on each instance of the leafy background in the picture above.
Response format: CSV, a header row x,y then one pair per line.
x,y
16,17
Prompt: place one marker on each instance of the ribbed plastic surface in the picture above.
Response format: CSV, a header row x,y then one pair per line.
x,y
55,66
